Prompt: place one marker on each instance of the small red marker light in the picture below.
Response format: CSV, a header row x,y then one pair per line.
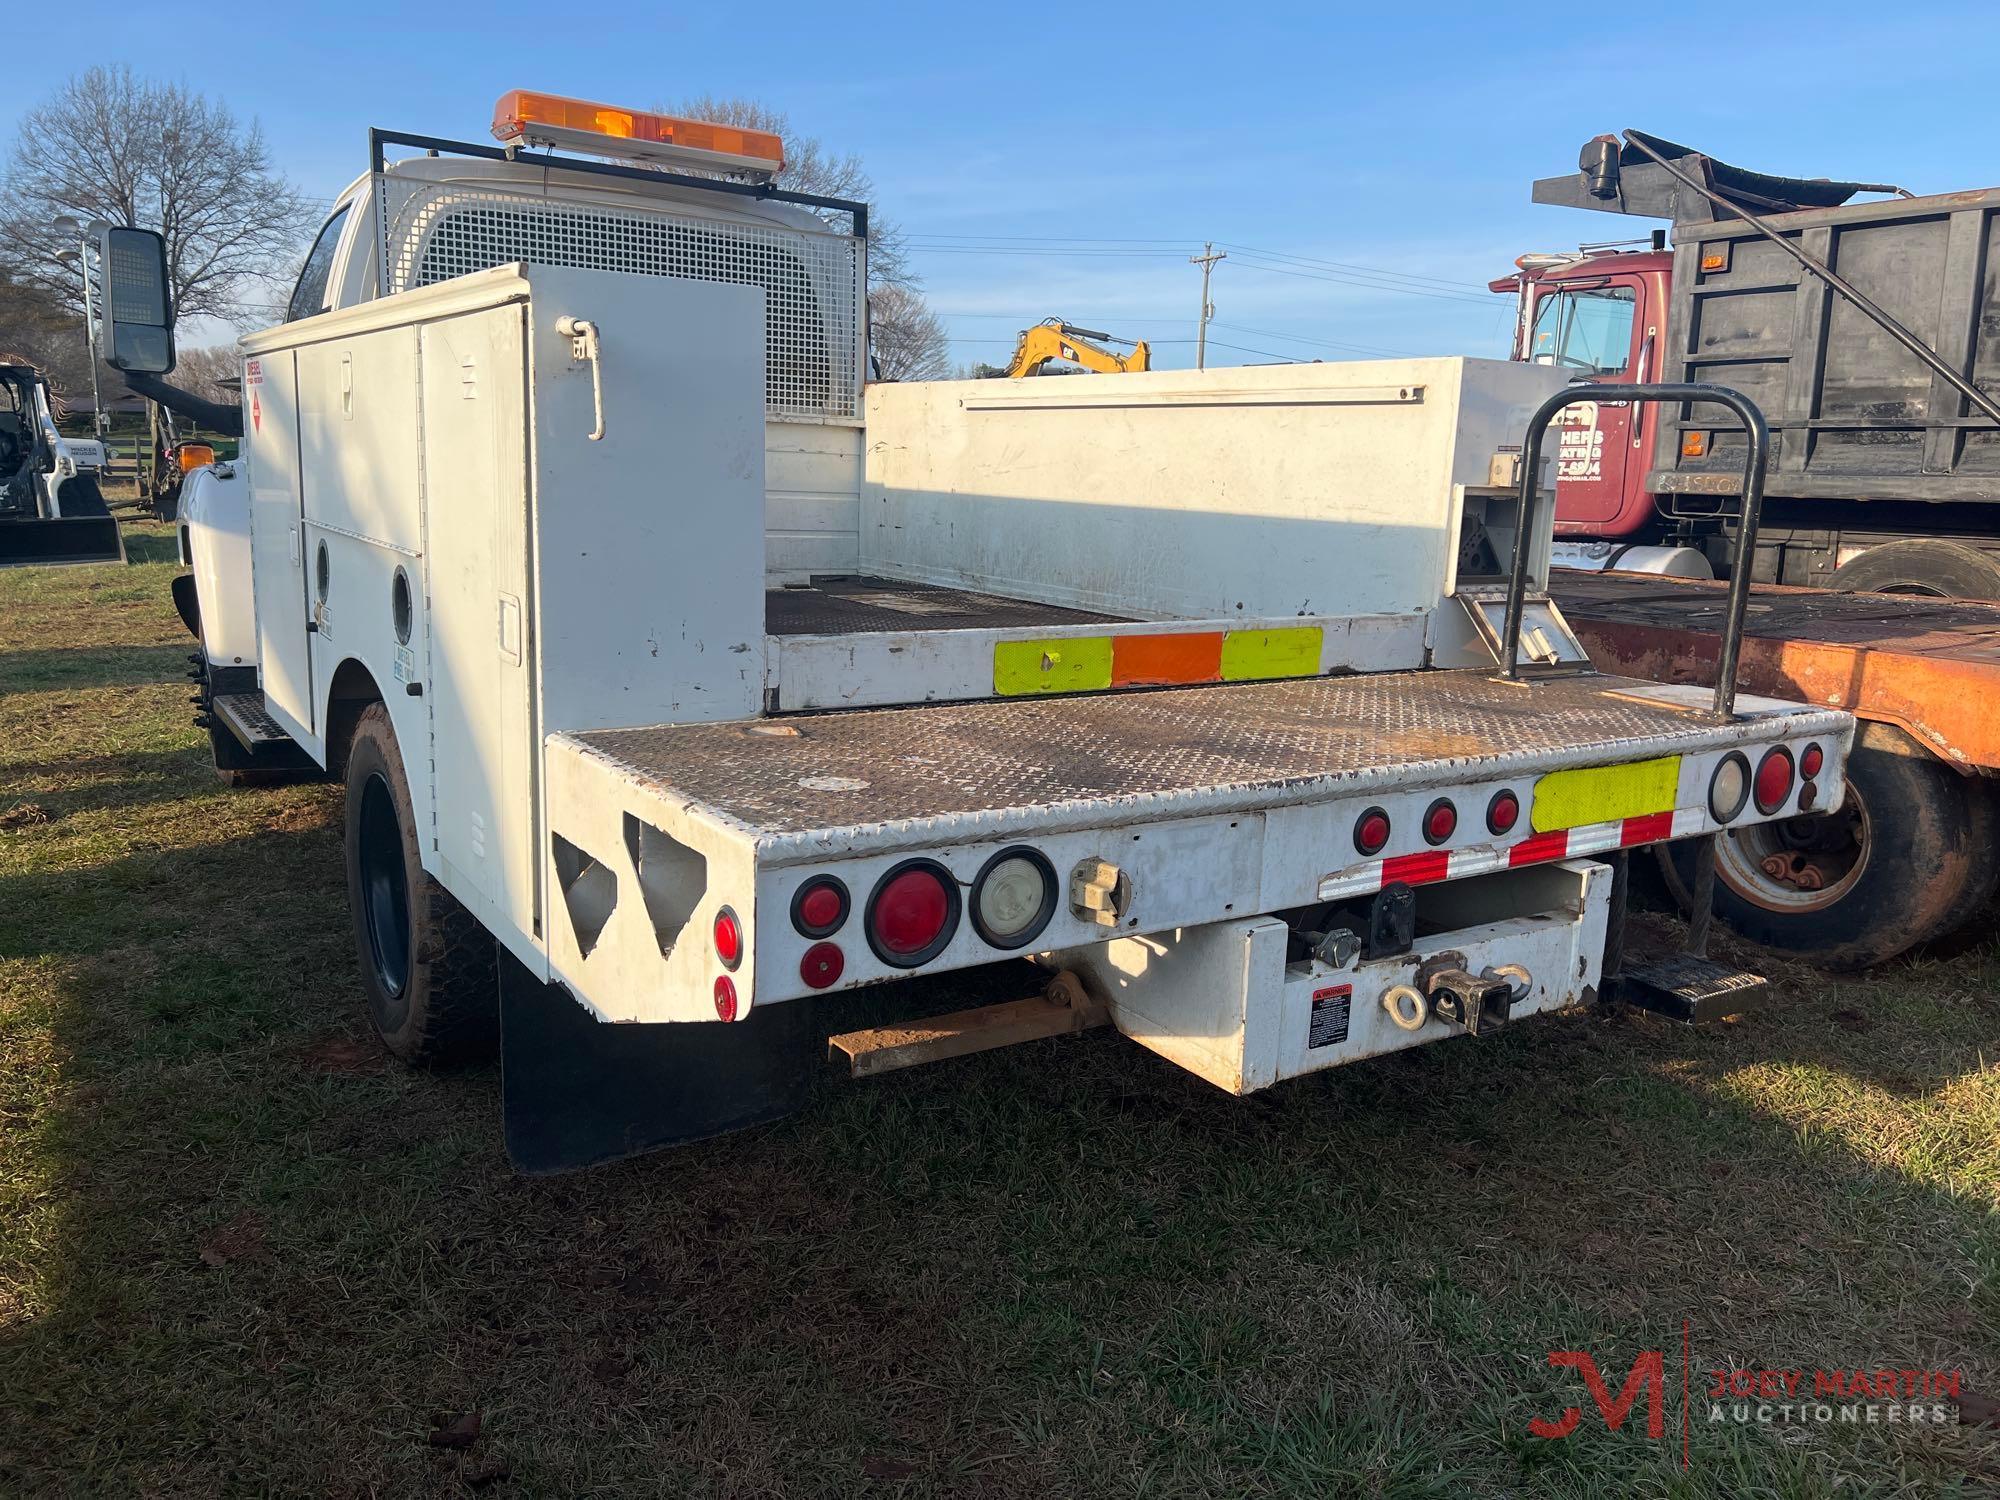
x,y
1774,780
728,938
1371,831
1811,760
822,965
819,907
1503,812
1440,821
725,998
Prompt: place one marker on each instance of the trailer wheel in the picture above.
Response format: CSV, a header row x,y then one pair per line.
x,y
1909,856
426,964
1943,570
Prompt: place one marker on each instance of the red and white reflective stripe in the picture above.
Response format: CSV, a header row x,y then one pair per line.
x,y
1537,848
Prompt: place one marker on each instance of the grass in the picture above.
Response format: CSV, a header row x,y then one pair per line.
x,y
240,1252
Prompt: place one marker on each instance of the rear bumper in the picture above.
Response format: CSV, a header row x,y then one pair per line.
x,y
1222,1002
653,832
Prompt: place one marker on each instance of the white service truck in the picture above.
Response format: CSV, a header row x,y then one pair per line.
x,y
680,678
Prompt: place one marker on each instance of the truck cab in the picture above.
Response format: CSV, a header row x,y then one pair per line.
x,y
1597,317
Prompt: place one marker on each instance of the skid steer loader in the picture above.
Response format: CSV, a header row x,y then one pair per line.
x,y
51,510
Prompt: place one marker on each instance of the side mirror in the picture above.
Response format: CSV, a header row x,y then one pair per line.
x,y
1599,163
135,302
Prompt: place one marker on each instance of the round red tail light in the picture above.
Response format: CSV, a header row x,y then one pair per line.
x,y
822,965
725,998
819,907
1811,760
1503,812
912,913
1371,831
1774,780
1440,821
728,938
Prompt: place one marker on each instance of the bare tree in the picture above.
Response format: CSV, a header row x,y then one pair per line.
x,y
203,371
908,339
811,168
113,146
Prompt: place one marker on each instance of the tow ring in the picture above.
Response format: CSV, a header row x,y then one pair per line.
x,y
1407,1005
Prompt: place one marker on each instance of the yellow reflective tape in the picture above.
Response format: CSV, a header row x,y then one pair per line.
x,y
1605,794
1065,665
1291,652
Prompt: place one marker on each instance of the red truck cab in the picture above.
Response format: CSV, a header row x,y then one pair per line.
x,y
1603,316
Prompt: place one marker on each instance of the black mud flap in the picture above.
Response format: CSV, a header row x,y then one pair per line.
x,y
576,1092
47,541
187,603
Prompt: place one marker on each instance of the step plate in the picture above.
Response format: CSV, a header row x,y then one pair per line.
x,y
245,715
1688,987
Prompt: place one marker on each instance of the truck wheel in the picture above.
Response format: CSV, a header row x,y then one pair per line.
x,y
426,963
1909,857
1945,570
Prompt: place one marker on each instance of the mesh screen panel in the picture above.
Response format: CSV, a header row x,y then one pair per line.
x,y
811,280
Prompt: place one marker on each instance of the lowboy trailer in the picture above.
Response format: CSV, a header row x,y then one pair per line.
x,y
679,680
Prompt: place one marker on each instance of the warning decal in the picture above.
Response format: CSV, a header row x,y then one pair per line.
x,y
1330,1010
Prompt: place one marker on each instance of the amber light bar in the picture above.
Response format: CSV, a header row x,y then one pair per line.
x,y
525,117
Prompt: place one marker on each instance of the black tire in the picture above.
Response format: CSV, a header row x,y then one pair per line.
x,y
1910,856
1944,570
427,966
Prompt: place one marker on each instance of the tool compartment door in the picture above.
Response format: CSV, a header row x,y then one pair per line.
x,y
277,540
477,677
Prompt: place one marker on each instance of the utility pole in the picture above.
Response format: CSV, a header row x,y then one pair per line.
x,y
1206,260
100,421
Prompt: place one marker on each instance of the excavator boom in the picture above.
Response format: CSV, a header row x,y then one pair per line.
x,y
1053,339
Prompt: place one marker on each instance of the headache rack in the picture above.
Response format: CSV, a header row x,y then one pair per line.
x,y
814,281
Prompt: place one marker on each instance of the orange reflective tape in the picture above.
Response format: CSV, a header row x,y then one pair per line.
x,y
1152,660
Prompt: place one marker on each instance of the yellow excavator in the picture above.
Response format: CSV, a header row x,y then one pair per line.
x,y
1053,339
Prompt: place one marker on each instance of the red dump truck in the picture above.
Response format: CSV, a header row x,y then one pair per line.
x,y
1860,319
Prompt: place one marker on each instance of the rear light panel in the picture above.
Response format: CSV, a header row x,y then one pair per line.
x,y
870,917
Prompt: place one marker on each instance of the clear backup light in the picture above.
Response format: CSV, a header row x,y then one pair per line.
x,y
1013,897
1729,787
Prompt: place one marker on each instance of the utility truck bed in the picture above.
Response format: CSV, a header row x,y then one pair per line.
x,y
856,605
867,779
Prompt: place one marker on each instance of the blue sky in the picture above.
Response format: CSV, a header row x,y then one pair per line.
x,y
1112,140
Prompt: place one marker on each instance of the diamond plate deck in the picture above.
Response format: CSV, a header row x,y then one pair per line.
x,y
849,606
1086,760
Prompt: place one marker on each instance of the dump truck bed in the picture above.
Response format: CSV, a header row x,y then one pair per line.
x,y
874,778
1929,666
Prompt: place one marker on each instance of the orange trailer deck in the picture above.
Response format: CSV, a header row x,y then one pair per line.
x,y
1929,666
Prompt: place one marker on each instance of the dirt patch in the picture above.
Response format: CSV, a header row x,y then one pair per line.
x,y
343,1054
